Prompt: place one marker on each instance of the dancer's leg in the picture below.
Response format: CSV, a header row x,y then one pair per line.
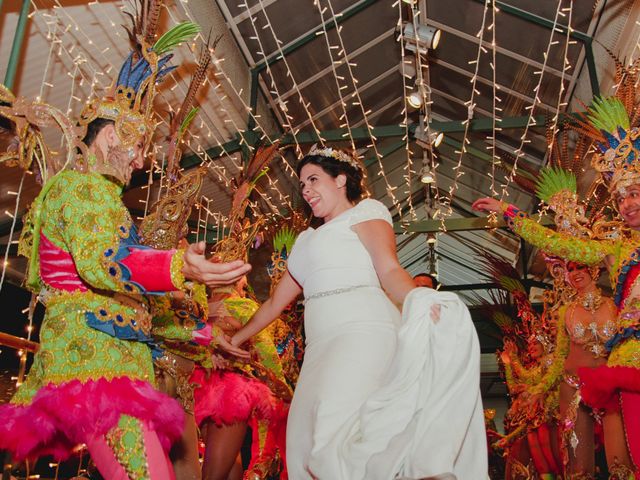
x,y
546,438
580,433
223,443
615,443
539,460
184,453
630,406
130,450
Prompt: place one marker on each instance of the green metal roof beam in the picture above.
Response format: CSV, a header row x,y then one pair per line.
x,y
591,66
456,225
328,25
387,131
481,155
477,125
16,46
538,20
385,152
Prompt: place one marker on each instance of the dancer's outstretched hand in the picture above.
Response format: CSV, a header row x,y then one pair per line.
x,y
487,204
198,268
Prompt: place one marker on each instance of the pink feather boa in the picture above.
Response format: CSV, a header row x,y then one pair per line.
x,y
62,416
600,385
227,397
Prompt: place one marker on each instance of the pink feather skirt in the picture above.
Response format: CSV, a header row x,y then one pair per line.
x,y
226,397
60,417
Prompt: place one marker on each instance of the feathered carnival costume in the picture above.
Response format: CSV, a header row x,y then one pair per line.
x,y
92,380
608,122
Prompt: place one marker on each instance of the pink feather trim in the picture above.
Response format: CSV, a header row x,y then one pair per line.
x,y
63,416
226,397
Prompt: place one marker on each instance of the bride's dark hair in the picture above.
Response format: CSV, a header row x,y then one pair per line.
x,y
335,167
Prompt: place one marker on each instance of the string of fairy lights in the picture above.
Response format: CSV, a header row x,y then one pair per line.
x,y
408,168
519,152
447,201
357,100
344,118
566,66
282,104
495,109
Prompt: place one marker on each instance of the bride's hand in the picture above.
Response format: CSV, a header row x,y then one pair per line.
x,y
435,312
225,343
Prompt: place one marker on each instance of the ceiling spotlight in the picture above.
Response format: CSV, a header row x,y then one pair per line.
x,y
410,2
427,176
427,38
431,238
436,138
415,98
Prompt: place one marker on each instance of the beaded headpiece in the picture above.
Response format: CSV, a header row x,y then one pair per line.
x,y
337,154
129,102
558,189
28,145
607,122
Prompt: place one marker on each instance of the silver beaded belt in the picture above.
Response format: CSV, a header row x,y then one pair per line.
x,y
337,291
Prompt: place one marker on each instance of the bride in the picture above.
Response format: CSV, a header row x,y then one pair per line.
x,y
380,395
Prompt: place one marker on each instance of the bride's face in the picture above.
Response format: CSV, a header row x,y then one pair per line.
x,y
321,191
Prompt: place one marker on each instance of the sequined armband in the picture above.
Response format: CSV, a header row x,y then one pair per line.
x,y
177,262
510,213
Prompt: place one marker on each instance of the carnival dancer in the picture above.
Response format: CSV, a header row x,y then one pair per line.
x,y
378,397
615,385
583,326
92,378
532,426
231,394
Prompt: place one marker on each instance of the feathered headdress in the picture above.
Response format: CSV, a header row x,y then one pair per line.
x,y
558,188
129,102
284,235
243,230
619,143
167,223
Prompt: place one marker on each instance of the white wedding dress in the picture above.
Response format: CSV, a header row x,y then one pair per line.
x,y
380,396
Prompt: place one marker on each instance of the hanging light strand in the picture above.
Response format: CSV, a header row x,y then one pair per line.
x,y
471,105
519,152
356,94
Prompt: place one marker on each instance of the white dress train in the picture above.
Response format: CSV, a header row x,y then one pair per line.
x,y
380,396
